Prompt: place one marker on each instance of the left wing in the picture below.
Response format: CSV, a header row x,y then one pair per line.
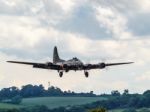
x,y
113,64
103,65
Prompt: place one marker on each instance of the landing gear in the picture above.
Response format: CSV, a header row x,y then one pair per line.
x,y
86,74
67,70
60,74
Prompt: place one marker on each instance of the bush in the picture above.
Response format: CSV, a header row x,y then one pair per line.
x,y
16,100
130,110
98,110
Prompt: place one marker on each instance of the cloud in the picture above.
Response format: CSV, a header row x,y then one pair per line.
x,y
144,5
139,25
126,7
113,21
130,17
91,30
66,5
144,77
83,22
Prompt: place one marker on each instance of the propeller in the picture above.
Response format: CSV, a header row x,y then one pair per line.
x,y
104,61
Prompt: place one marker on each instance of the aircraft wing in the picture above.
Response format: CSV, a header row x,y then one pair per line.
x,y
114,64
103,65
26,63
48,65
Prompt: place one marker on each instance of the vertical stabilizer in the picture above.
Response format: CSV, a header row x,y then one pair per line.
x,y
55,55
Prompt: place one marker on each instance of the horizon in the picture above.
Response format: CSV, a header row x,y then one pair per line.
x,y
100,93
94,31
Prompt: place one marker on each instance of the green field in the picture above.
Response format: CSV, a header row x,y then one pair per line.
x,y
9,106
138,110
53,102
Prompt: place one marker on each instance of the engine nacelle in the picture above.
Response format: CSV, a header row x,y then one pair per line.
x,y
102,65
89,66
36,66
49,64
65,67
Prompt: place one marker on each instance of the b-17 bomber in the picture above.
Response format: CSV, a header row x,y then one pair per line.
x,y
74,64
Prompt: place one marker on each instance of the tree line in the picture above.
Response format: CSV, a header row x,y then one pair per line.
x,y
111,101
127,101
29,90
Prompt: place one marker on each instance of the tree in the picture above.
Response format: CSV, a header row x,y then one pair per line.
x,y
115,93
126,92
16,100
52,91
146,94
134,101
32,91
5,93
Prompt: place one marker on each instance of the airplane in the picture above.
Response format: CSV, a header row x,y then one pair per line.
x,y
65,66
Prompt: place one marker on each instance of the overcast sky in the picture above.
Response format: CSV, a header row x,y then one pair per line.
x,y
92,30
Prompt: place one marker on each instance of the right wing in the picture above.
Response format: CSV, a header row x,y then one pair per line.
x,y
48,65
26,63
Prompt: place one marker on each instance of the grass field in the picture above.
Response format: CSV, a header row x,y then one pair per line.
x,y
8,106
53,102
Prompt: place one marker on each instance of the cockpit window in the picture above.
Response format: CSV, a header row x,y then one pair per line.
x,y
76,59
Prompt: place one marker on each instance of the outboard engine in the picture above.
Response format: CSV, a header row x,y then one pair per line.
x,y
49,63
102,65
36,66
66,68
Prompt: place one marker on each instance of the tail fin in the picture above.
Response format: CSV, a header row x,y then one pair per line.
x,y
55,55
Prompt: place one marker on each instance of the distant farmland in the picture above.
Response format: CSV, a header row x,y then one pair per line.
x,y
9,106
53,102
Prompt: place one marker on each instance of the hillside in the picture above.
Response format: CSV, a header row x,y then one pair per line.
x,y
53,102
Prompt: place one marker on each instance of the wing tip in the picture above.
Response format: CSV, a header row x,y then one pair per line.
x,y
10,61
131,62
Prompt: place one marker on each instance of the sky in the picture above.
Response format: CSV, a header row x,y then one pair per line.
x,y
93,30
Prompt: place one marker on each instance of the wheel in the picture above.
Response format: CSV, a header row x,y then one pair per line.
x,y
86,74
60,74
67,70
